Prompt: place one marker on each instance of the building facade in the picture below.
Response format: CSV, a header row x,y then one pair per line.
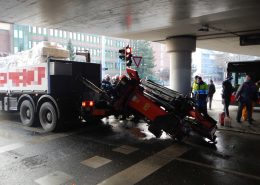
x,y
102,49
5,39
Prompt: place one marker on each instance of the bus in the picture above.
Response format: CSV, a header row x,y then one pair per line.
x,y
238,70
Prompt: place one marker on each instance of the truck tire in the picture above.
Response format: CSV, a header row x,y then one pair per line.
x,y
27,113
48,117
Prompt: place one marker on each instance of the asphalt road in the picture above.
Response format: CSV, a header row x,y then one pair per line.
x,y
117,154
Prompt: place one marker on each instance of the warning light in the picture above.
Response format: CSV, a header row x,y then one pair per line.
x,y
84,104
122,54
128,56
128,50
91,103
87,104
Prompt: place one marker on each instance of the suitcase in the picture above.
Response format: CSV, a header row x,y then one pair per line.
x,y
221,118
227,122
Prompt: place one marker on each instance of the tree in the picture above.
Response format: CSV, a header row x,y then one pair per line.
x,y
144,49
71,51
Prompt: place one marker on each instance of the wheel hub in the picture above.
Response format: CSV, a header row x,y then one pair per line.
x,y
49,117
28,113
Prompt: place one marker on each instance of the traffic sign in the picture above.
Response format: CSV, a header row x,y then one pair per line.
x,y
137,60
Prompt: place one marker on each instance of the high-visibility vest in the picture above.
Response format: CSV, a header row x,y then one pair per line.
x,y
201,88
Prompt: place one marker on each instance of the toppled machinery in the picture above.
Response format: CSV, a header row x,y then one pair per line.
x,y
164,109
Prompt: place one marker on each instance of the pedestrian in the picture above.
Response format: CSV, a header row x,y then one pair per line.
x,y
211,92
246,95
193,85
106,84
227,90
200,91
115,80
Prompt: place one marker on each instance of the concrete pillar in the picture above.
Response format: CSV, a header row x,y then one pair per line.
x,y
180,49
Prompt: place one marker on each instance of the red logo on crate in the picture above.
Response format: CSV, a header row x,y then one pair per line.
x,y
25,77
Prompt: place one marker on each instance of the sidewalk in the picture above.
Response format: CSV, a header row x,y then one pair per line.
x,y
243,127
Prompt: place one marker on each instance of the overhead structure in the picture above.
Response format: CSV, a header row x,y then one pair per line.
x,y
153,20
216,25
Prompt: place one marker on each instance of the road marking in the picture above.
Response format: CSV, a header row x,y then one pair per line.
x,y
125,149
220,169
96,162
41,139
139,171
55,178
10,147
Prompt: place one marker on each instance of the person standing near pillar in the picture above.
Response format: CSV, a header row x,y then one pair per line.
x,y
212,90
201,92
227,90
193,85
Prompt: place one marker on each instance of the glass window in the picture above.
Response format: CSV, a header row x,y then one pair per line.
x,y
30,44
60,33
56,33
82,37
74,36
95,40
64,34
15,49
30,29
39,30
15,33
51,32
90,39
95,52
34,29
20,34
87,38
78,36
44,31
74,48
70,35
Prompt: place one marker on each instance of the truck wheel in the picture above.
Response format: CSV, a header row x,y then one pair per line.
x,y
27,114
48,117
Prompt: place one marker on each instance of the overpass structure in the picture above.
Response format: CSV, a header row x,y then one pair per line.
x,y
182,24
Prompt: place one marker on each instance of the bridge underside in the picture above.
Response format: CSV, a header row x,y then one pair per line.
x,y
153,20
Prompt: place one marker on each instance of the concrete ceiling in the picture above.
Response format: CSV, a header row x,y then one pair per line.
x,y
153,20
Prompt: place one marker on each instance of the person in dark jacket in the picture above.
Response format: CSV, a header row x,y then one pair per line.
x,y
106,84
211,92
246,95
227,90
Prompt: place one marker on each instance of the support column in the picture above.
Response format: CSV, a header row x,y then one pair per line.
x,y
180,49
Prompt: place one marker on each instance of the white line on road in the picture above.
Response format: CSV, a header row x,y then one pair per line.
x,y
146,167
41,139
219,169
